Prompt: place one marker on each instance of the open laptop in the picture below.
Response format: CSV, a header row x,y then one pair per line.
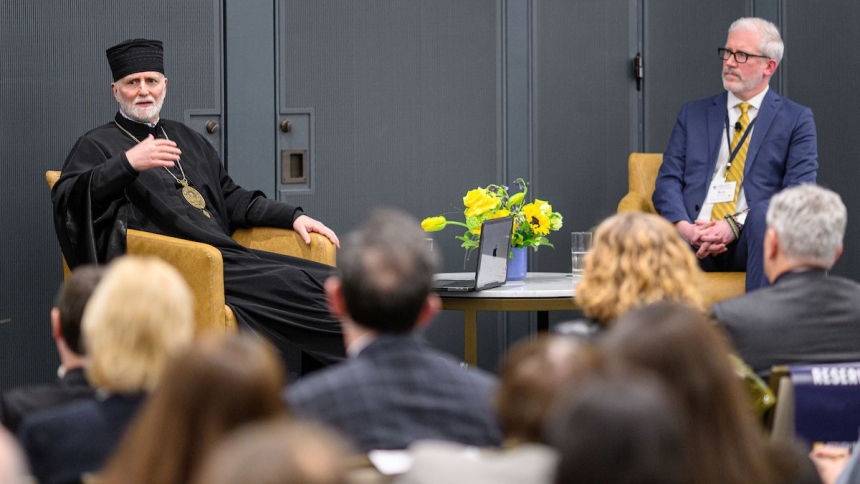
x,y
492,268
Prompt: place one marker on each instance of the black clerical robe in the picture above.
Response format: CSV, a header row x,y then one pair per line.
x,y
99,196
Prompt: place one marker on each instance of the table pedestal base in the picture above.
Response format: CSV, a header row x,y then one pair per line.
x,y
471,305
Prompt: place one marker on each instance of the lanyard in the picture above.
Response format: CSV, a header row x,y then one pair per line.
x,y
734,152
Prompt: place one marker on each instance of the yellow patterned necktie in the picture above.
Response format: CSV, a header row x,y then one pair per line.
x,y
736,170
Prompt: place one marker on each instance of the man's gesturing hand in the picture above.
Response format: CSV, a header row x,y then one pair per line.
x,y
153,153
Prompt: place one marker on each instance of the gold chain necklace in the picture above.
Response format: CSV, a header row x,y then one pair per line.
x,y
192,196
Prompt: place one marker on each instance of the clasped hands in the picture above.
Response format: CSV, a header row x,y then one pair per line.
x,y
710,238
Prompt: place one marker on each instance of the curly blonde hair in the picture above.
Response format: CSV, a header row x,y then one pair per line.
x,y
637,259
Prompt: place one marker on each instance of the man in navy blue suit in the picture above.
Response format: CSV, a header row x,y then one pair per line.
x,y
730,153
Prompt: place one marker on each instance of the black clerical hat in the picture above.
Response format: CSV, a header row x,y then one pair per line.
x,y
136,55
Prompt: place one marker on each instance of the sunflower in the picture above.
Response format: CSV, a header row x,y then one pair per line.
x,y
534,216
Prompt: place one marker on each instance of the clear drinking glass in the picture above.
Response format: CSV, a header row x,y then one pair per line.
x,y
579,244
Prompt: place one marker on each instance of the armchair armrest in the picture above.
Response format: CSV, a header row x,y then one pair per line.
x,y
635,202
202,268
288,242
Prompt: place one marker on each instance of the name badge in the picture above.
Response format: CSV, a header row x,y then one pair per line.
x,y
721,192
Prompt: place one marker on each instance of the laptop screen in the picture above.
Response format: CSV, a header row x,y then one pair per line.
x,y
495,244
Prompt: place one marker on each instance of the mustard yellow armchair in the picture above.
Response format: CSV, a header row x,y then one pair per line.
x,y
642,174
203,267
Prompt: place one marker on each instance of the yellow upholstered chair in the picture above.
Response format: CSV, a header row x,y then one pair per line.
x,y
203,267
642,173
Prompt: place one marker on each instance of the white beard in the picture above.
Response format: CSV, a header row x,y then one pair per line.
x,y
141,114
740,84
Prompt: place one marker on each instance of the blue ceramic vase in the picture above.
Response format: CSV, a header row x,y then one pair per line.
x,y
518,264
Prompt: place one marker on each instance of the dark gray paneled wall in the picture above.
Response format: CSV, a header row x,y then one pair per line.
x,y
54,87
680,53
819,71
586,115
407,103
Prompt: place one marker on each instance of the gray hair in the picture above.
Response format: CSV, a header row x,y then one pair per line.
x,y
810,222
386,268
771,43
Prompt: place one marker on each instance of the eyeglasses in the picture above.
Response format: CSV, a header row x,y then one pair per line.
x,y
740,57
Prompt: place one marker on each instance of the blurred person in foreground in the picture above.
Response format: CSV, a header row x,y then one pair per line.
x,y
214,387
13,464
726,444
635,259
533,375
393,389
282,452
66,331
806,316
139,316
613,430
836,464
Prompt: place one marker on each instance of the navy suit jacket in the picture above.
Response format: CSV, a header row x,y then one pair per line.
x,y
16,404
396,391
64,442
782,153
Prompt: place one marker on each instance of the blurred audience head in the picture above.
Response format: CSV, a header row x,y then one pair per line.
x,y
278,453
532,376
806,226
140,315
636,259
70,303
215,386
13,464
684,348
618,431
384,274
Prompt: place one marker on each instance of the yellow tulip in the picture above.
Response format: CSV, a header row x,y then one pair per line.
x,y
516,199
433,224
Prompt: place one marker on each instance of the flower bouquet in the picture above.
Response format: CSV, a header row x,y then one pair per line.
x,y
532,221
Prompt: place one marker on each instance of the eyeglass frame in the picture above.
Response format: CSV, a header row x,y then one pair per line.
x,y
725,54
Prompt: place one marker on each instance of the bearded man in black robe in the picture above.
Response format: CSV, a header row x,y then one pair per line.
x,y
151,174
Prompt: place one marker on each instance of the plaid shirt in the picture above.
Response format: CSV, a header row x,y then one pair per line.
x,y
399,390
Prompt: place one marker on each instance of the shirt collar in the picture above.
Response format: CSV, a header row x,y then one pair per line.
x,y
798,270
151,125
755,101
360,344
138,130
